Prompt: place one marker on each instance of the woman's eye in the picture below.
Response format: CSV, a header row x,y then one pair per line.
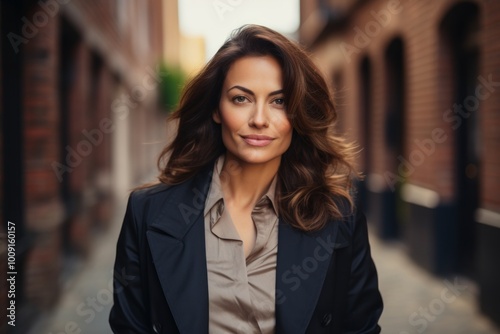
x,y
239,99
279,101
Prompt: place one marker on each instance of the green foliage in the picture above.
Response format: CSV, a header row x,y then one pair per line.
x,y
172,82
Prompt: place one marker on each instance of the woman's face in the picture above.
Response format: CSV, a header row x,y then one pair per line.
x,y
252,111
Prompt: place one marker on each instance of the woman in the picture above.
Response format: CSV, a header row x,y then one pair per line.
x,y
252,228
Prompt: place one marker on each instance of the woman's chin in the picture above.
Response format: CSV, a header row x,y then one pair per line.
x,y
255,159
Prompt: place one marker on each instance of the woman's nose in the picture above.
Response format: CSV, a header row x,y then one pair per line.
x,y
259,117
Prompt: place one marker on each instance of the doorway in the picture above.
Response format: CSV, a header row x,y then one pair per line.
x,y
365,94
459,33
394,124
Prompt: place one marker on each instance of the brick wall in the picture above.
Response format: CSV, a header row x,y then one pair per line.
x,y
67,113
490,112
44,212
428,85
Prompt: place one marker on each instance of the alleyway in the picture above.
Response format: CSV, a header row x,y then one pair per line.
x,y
415,302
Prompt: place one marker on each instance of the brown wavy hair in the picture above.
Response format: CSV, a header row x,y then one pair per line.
x,y
316,172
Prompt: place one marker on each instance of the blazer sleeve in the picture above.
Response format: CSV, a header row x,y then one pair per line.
x,y
364,302
129,313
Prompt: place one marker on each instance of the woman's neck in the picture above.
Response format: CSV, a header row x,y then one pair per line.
x,y
244,184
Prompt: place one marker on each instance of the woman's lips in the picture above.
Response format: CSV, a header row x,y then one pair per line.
x,y
257,140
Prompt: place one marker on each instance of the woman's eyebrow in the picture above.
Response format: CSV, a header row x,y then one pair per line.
x,y
248,91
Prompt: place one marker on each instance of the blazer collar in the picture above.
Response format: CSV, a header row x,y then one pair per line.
x,y
177,243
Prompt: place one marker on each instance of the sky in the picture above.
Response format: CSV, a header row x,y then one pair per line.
x,y
215,19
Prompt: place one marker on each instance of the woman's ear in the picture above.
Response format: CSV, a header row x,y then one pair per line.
x,y
216,116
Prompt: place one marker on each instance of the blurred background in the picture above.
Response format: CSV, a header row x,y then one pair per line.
x,y
86,87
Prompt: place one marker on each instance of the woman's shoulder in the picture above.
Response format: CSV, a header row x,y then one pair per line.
x,y
351,216
149,190
145,204
148,194
157,194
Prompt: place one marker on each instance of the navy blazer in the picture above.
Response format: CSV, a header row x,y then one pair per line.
x,y
326,281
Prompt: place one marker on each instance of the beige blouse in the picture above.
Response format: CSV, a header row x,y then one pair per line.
x,y
241,291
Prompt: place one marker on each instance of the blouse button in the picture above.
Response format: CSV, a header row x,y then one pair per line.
x,y
327,319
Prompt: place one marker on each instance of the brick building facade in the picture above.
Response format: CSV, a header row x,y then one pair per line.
x,y
78,101
417,85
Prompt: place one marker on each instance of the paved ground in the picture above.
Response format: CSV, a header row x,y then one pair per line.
x,y
87,299
415,302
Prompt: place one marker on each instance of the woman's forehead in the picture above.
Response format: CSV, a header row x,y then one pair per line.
x,y
255,70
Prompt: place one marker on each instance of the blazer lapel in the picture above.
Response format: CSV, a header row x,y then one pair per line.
x,y
177,242
302,264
